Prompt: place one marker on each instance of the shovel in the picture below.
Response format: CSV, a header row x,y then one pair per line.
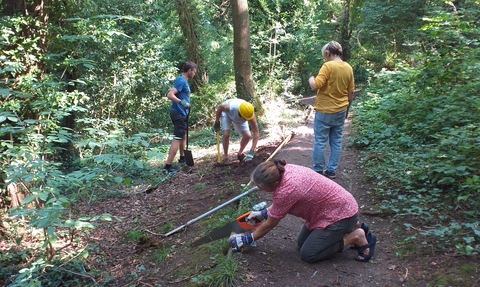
x,y
188,153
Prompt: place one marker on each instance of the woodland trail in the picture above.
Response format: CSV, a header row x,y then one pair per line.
x,y
276,261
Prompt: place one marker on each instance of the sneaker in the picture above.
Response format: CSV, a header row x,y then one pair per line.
x,y
182,161
329,174
320,172
171,168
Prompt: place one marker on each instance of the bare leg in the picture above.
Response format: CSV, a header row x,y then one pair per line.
x,y
173,150
183,144
357,238
225,143
246,136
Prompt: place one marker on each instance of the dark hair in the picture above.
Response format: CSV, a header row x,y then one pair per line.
x,y
189,65
267,173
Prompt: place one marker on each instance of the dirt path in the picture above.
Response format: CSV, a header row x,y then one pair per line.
x,y
275,262
170,261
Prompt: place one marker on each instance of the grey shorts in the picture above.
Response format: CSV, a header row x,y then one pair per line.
x,y
318,244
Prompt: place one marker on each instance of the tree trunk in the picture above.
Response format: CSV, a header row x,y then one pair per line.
x,y
188,23
16,197
346,33
242,59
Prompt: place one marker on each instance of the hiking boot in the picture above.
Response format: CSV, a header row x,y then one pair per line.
x,y
330,175
171,169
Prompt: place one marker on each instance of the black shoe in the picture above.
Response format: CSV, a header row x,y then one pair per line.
x,y
171,169
320,172
182,161
330,175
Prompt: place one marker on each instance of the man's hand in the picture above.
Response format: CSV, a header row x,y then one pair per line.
x,y
184,104
216,127
250,156
257,216
237,241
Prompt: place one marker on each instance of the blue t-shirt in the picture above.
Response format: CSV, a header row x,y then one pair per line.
x,y
183,89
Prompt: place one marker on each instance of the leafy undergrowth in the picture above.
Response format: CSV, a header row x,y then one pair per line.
x,y
135,250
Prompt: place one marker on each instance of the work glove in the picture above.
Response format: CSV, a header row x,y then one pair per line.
x,y
184,104
237,241
250,156
257,216
216,127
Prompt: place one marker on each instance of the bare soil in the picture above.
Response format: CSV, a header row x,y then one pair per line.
x,y
275,262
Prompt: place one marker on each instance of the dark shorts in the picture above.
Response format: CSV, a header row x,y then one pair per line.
x,y
179,125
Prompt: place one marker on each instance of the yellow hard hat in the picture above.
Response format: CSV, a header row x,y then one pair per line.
x,y
246,110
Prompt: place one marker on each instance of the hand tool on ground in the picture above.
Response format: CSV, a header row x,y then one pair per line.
x,y
240,225
188,153
219,160
212,211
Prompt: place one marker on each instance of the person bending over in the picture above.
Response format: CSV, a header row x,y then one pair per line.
x,y
240,113
330,212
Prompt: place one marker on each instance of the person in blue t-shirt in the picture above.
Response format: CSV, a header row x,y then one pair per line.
x,y
180,97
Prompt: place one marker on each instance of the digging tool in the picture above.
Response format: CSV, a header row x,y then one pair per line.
x,y
219,160
211,211
188,153
240,225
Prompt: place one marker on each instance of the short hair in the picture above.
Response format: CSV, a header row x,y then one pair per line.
x,y
189,65
332,48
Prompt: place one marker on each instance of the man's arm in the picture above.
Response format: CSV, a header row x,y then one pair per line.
x,y
172,95
255,132
350,98
311,82
221,108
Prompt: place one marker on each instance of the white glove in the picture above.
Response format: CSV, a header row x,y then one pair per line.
x,y
237,241
257,216
250,156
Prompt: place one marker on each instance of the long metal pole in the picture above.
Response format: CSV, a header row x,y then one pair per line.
x,y
211,211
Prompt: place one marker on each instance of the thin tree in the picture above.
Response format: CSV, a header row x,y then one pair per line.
x,y
242,59
188,24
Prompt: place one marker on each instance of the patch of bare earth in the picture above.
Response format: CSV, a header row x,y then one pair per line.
x,y
275,262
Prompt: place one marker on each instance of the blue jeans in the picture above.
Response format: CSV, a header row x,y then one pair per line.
x,y
328,127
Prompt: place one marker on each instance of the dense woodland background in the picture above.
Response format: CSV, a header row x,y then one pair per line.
x,y
83,105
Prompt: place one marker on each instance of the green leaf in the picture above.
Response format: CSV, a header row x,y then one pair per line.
x,y
29,199
139,164
118,179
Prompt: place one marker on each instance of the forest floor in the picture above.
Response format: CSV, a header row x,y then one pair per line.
x,y
170,261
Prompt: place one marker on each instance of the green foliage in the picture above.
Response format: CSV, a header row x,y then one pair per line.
x,y
419,131
137,236
226,273
84,107
72,272
163,253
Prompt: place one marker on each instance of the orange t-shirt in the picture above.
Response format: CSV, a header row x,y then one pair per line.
x,y
334,82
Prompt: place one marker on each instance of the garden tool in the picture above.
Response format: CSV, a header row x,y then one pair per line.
x,y
240,225
211,211
188,153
